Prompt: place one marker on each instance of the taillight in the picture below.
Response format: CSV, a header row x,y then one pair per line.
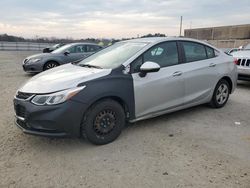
x,y
236,61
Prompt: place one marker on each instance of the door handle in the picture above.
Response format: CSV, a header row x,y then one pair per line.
x,y
177,73
212,65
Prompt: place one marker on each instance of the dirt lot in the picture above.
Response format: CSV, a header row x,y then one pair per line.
x,y
197,147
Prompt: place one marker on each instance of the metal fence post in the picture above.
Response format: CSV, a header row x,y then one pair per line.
x,y
2,46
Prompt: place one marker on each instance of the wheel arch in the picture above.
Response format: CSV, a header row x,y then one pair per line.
x,y
228,79
116,98
50,60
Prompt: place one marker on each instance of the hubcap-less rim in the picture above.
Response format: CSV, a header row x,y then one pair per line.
x,y
50,65
222,94
105,122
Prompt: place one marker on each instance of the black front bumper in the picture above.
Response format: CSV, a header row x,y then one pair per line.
x,y
56,121
39,132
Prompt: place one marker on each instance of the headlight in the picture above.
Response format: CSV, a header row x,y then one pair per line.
x,y
56,98
34,60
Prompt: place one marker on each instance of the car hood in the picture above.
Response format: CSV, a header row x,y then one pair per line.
x,y
241,54
61,78
46,55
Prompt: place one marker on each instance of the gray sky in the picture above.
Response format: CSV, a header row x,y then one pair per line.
x,y
116,18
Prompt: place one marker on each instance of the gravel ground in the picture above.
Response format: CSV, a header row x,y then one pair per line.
x,y
197,147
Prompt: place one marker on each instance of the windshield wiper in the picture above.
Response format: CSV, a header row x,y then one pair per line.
x,y
90,66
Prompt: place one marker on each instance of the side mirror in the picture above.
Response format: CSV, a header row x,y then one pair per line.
x,y
66,53
148,67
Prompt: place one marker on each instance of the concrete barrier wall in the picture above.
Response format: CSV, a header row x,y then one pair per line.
x,y
229,43
219,33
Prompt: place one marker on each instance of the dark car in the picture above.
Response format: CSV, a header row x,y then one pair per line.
x,y
52,48
66,54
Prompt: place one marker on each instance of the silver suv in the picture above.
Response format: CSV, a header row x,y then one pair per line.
x,y
128,81
243,63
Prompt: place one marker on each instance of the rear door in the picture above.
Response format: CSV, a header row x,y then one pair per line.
x,y
162,90
200,72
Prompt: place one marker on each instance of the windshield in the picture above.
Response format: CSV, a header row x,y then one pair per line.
x,y
55,46
113,56
61,49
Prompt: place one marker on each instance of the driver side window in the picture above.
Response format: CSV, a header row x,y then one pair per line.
x,y
164,54
72,50
77,49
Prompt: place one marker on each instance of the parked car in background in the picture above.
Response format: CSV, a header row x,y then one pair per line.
x,y
243,64
128,81
247,47
52,48
233,50
230,50
66,54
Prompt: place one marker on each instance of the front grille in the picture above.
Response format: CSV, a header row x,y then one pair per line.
x,y
243,62
20,110
24,96
22,124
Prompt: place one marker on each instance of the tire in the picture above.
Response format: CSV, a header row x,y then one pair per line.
x,y
221,94
103,122
50,65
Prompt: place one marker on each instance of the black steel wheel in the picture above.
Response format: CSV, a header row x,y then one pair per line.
x,y
103,122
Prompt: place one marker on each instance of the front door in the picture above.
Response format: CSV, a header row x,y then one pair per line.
x,y
77,52
162,90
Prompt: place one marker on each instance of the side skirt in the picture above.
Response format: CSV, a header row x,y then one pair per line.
x,y
167,111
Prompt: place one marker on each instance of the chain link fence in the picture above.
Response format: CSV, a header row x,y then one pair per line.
x,y
23,46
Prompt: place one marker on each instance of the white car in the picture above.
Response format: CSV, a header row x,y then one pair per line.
x,y
243,64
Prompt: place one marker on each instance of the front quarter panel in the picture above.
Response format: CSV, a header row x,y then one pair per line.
x,y
57,58
116,85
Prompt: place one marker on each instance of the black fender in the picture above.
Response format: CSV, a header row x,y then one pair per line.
x,y
117,85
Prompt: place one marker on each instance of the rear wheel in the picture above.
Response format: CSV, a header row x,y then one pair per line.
x,y
50,65
103,122
221,94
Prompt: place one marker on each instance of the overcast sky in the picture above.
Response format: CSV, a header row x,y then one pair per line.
x,y
116,18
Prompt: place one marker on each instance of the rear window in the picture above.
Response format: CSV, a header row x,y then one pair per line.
x,y
210,52
93,48
194,51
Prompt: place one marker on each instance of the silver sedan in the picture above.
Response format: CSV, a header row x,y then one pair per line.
x,y
65,54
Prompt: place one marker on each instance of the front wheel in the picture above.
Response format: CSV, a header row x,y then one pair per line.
x,y
103,122
221,94
50,65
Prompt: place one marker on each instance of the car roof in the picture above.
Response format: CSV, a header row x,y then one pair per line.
x,y
151,41
155,40
83,43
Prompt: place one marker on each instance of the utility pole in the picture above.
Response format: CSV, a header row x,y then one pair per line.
x,y
180,26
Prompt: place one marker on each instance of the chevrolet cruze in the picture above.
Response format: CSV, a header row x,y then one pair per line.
x,y
126,82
